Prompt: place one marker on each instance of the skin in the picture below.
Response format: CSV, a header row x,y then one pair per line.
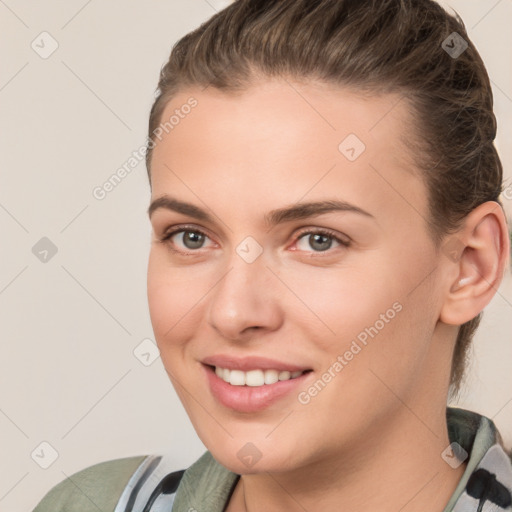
x,y
372,438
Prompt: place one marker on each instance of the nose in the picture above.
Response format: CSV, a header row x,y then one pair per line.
x,y
244,303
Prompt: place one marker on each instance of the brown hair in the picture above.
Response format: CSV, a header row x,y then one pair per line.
x,y
371,46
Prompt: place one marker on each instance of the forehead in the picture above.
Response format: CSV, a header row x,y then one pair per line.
x,y
282,139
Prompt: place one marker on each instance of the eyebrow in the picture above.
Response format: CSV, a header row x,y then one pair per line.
x,y
297,211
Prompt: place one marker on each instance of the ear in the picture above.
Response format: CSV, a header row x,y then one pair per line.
x,y
477,257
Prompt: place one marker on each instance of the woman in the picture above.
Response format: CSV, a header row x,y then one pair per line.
x,y
326,232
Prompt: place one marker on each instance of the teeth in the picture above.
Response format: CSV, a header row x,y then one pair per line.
x,y
254,377
236,377
284,375
271,376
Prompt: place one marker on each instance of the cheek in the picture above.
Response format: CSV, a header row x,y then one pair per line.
x,y
341,303
176,300
168,297
376,312
168,307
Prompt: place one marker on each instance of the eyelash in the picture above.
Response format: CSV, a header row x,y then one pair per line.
x,y
165,239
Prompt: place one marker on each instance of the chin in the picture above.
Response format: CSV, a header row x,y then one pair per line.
x,y
247,458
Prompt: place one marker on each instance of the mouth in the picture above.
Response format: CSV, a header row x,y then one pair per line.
x,y
253,390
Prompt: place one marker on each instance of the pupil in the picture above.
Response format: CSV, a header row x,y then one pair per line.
x,y
317,237
193,240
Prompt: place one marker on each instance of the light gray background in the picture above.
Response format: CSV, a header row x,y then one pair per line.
x,y
68,374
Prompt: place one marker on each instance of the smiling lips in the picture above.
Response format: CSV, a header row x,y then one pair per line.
x,y
252,370
253,383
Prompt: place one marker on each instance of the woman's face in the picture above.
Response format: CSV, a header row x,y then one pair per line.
x,y
347,290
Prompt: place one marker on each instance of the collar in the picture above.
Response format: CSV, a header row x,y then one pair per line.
x,y
487,481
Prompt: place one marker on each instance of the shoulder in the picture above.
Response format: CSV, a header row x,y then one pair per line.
x,y
97,487
137,484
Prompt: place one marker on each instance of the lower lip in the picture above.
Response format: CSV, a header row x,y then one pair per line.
x,y
250,398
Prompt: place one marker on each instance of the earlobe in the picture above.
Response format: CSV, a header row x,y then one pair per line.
x,y
477,271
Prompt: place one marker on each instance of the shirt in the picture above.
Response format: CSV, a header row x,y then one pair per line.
x,y
148,484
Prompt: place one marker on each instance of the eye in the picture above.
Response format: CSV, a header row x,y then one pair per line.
x,y
320,240
191,239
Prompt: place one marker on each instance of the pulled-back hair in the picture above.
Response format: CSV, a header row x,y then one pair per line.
x,y
372,47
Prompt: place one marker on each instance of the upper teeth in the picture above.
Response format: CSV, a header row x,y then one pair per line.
x,y
254,377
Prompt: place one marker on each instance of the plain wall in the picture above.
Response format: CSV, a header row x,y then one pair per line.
x,y
70,325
